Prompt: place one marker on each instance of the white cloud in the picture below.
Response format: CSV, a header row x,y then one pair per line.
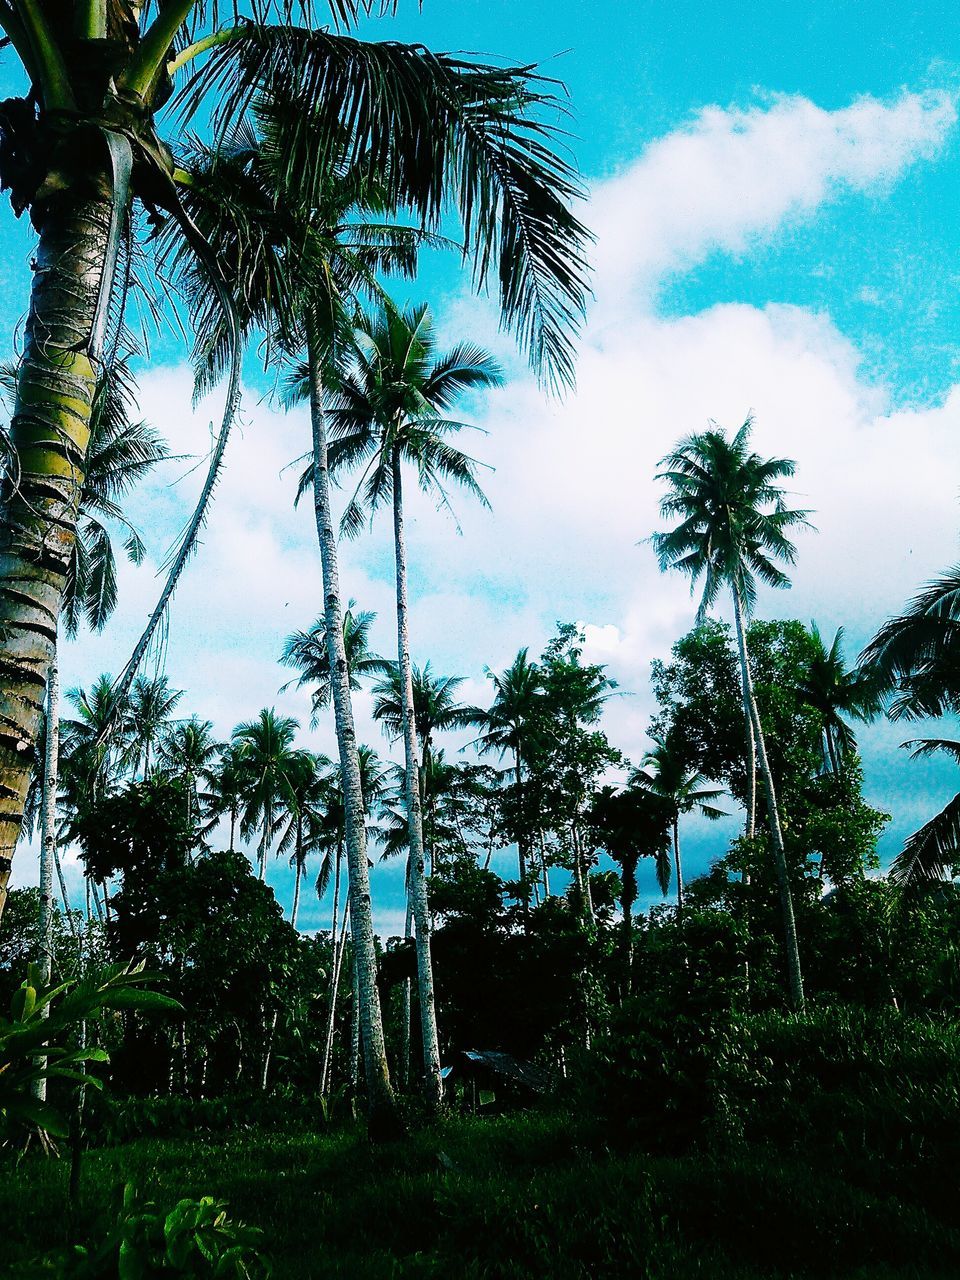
x,y
733,175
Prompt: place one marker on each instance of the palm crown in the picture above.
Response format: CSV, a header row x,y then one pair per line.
x,y
389,407
733,521
307,651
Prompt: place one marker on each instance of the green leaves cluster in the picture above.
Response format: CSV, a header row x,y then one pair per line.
x,y
35,1039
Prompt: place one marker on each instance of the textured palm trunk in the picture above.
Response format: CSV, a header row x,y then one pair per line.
x,y
48,843
338,952
49,433
381,1102
406,1003
418,880
296,894
794,974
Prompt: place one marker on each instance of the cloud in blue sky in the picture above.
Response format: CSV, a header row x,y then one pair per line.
x,y
572,483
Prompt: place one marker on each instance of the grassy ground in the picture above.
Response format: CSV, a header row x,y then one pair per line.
x,y
515,1197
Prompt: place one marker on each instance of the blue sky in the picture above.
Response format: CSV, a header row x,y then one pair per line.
x,y
774,192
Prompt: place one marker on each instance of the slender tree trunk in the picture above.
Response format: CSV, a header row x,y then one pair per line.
x,y
296,894
48,843
71,922
355,1023
678,870
407,1001
233,827
269,1054
544,868
49,436
418,882
795,976
338,951
382,1106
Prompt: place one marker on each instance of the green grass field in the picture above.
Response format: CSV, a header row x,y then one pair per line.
x,y
512,1197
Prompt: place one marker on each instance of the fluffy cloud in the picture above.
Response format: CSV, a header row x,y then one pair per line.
x,y
572,486
732,176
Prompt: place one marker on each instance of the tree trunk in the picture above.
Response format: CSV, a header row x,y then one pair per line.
x,y
382,1106
418,881
338,950
677,869
296,894
48,845
795,976
406,1003
49,436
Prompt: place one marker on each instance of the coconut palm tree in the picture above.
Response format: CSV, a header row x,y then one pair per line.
x,y
268,763
733,526
838,695
309,799
297,269
148,716
665,773
307,651
190,751
506,725
227,789
435,710
389,411
439,129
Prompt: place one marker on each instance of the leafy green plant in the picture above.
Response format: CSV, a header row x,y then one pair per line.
x,y
42,1017
195,1238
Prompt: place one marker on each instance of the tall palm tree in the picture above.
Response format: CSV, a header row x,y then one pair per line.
x,y
148,716
269,761
838,695
189,751
227,789
389,411
298,266
733,526
308,800
665,773
505,726
438,129
307,651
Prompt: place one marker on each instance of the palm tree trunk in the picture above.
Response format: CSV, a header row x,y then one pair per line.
x,y
751,765
794,973
677,869
48,845
48,848
49,436
381,1102
418,881
338,950
296,894
406,1002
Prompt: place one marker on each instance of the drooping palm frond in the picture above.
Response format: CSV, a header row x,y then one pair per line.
x,y
443,134
928,853
915,658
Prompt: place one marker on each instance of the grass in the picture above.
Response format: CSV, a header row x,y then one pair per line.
x,y
513,1197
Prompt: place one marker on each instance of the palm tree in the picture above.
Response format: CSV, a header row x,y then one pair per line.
x,y
914,661
388,410
148,715
505,725
227,789
307,652
309,797
835,693
435,710
268,761
733,527
189,752
665,773
437,129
